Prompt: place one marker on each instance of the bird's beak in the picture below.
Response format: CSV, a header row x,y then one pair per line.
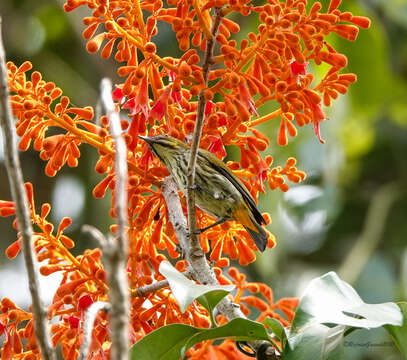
x,y
147,139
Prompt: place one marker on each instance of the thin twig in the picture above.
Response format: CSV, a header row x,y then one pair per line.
x,y
90,317
154,287
116,252
187,238
95,234
120,164
371,234
23,213
200,118
151,288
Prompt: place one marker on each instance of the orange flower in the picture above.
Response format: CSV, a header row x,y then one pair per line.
x,y
160,107
318,116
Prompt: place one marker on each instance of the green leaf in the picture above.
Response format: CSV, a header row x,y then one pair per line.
x,y
399,333
236,329
210,299
172,341
185,291
277,328
330,300
164,343
316,342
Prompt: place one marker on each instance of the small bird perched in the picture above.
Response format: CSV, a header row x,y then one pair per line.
x,y
218,191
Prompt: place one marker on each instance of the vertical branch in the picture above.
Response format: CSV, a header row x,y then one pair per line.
x,y
116,252
187,237
23,213
200,118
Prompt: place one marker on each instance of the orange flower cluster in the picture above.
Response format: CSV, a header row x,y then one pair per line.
x,y
150,233
160,96
83,283
264,304
271,64
11,317
33,104
266,66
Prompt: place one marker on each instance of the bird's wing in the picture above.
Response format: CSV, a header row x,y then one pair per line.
x,y
228,174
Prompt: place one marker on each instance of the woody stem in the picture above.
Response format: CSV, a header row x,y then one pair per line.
x,y
200,118
19,195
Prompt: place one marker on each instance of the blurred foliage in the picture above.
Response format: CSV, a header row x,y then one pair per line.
x,y
316,224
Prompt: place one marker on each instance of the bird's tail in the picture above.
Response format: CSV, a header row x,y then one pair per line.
x,y
254,229
259,236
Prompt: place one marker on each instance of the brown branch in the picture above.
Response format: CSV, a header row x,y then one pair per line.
x,y
200,119
154,287
22,211
187,238
96,234
116,251
151,288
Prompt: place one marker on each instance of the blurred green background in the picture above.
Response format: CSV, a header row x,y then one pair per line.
x,y
349,216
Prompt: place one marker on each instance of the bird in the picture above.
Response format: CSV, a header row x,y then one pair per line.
x,y
218,191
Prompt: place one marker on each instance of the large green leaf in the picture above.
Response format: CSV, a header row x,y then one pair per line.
x,y
328,299
277,329
399,333
185,291
316,342
236,329
163,344
172,341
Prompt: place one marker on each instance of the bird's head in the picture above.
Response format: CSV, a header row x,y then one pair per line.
x,y
164,146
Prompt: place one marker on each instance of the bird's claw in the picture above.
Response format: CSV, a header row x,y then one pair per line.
x,y
179,250
197,232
